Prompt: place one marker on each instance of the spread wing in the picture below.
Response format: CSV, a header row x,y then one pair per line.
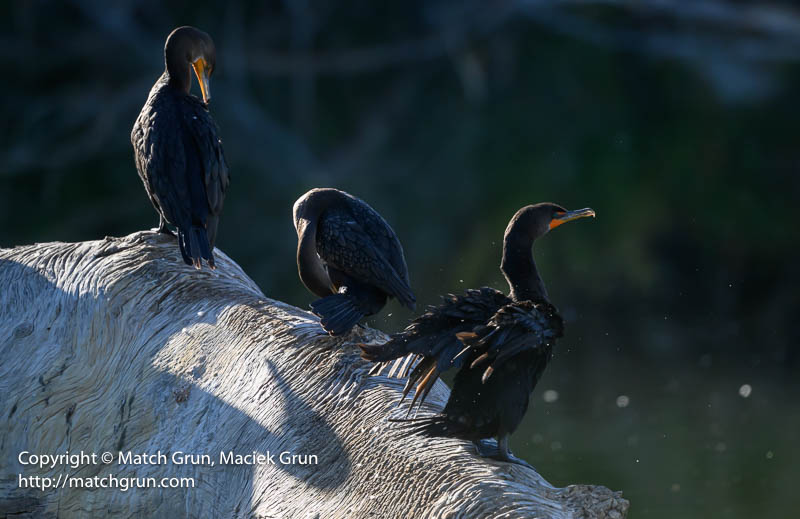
x,y
433,338
515,328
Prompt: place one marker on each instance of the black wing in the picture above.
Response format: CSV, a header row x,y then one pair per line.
x,y
505,359
160,156
180,160
344,245
210,185
433,338
382,235
515,328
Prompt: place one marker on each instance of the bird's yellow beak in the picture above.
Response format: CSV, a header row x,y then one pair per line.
x,y
201,71
560,218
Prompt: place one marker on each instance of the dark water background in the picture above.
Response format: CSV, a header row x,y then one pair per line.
x,y
677,122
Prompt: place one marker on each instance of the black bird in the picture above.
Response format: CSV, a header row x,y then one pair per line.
x,y
349,256
500,344
178,153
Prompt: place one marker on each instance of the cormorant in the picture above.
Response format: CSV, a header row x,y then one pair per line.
x,y
500,344
178,153
349,256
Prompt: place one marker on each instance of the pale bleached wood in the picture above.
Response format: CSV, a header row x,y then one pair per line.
x,y
116,345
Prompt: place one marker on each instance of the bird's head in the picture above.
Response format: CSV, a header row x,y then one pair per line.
x,y
534,221
190,46
527,225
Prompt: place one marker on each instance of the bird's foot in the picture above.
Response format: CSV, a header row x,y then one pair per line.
x,y
490,449
487,448
163,230
162,226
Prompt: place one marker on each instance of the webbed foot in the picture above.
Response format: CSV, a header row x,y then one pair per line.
x,y
499,451
487,449
162,227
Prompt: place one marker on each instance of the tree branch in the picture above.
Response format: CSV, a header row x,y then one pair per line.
x,y
116,346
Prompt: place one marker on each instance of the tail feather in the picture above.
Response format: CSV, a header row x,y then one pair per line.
x,y
194,247
390,350
338,313
442,345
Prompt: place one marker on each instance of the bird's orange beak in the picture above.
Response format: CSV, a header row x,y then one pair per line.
x,y
201,71
567,216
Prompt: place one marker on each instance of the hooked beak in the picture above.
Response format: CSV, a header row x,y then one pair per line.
x,y
560,218
201,71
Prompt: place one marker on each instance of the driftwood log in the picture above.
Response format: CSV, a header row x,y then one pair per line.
x,y
115,346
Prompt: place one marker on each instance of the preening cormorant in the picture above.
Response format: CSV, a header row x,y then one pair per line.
x,y
178,153
349,256
500,344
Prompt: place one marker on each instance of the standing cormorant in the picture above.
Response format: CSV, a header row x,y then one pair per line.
x,y
349,256
178,154
501,344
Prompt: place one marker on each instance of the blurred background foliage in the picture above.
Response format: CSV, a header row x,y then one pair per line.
x,y
676,121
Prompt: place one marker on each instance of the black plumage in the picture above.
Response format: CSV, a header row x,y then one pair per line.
x,y
349,256
177,150
500,344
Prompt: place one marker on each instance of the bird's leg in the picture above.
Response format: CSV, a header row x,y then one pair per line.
x,y
505,455
162,226
502,449
486,449
500,452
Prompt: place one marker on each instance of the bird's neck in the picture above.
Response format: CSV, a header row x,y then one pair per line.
x,y
309,266
177,72
520,270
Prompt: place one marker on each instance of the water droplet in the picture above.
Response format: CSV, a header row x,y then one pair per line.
x,y
745,390
550,396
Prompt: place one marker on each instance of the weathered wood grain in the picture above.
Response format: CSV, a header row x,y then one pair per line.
x,y
116,345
